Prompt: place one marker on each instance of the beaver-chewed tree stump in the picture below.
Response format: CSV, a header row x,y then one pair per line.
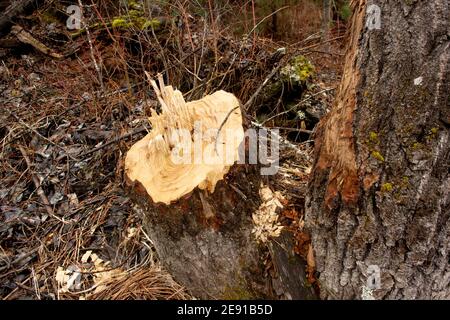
x,y
212,223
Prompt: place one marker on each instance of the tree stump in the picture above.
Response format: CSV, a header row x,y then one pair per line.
x,y
205,240
206,235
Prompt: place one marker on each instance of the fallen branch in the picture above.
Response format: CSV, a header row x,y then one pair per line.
x,y
27,38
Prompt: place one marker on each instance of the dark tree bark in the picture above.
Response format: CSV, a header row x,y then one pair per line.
x,y
206,242
379,190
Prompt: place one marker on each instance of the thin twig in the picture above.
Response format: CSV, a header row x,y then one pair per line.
x,y
247,104
115,140
297,105
37,183
263,84
23,123
320,43
294,129
243,42
91,47
221,126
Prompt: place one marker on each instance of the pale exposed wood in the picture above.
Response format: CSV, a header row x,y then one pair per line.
x,y
150,161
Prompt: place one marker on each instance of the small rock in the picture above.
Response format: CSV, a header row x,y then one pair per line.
x,y
86,96
34,77
418,81
57,197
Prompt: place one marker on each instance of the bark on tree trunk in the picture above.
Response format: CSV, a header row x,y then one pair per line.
x,y
379,190
206,242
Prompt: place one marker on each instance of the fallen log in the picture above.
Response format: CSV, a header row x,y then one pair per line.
x,y
213,224
26,38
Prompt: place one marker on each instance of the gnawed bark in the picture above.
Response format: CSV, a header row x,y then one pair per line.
x,y
379,191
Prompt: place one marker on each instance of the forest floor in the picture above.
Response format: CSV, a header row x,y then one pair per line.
x,y
67,227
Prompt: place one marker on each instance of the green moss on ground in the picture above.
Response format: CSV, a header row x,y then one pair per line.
x,y
377,155
387,187
373,137
135,19
238,293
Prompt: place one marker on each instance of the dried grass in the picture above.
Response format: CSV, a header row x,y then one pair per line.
x,y
144,284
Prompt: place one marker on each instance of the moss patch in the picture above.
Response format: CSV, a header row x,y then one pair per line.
x,y
297,71
135,19
48,17
417,145
239,293
345,11
373,137
387,187
377,155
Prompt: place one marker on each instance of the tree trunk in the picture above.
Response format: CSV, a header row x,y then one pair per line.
x,y
206,242
379,191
